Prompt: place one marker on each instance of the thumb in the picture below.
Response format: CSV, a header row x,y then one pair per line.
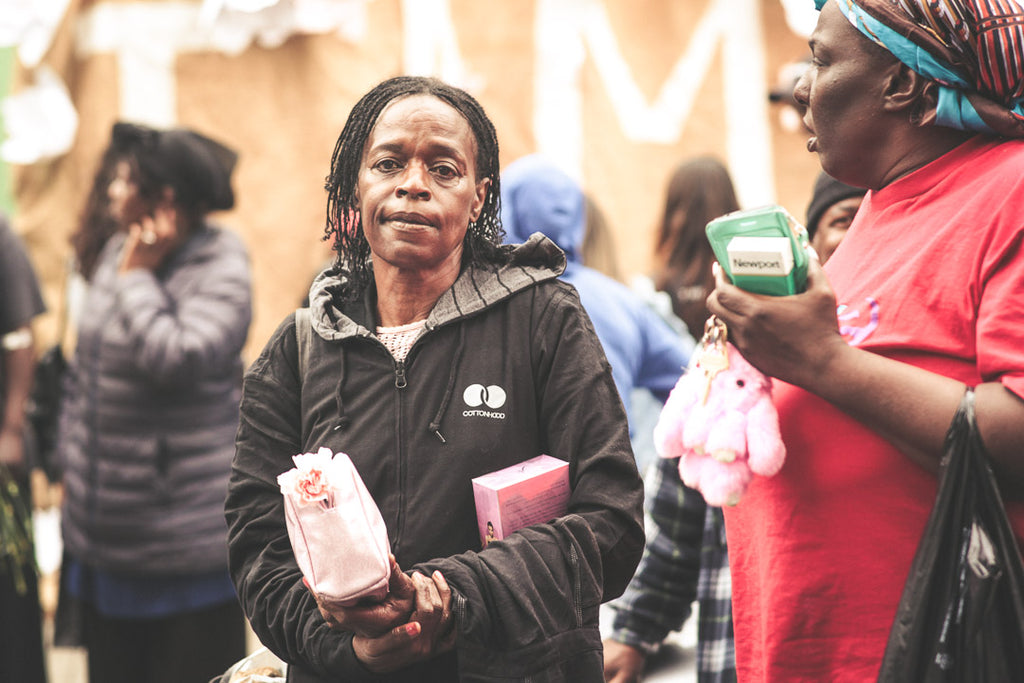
x,y
400,584
400,636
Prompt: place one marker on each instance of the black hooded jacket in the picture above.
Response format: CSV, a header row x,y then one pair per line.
x,y
508,367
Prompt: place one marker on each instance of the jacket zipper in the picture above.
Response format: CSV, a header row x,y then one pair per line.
x,y
577,585
400,384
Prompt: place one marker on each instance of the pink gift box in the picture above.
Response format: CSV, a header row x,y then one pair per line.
x,y
531,492
337,533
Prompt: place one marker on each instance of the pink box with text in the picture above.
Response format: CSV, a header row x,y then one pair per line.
x,y
530,492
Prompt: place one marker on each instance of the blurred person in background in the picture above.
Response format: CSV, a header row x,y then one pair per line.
x,y
644,352
151,410
699,190
21,635
598,250
686,556
424,315
830,213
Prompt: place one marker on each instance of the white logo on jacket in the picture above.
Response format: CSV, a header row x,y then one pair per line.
x,y
477,395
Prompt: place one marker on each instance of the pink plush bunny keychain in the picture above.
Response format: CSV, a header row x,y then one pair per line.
x,y
720,421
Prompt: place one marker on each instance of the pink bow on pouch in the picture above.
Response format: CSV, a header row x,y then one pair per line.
x,y
336,531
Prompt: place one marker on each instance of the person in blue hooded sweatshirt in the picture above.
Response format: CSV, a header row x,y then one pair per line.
x,y
644,352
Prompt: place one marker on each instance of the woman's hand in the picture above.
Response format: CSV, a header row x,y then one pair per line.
x,y
792,338
622,663
151,239
430,631
372,619
797,340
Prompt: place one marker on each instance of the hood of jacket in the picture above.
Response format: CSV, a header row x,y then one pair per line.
x,y
537,196
476,288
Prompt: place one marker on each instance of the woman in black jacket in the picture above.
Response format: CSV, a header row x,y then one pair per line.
x,y
436,356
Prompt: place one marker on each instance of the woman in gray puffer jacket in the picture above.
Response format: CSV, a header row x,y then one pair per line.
x,y
151,412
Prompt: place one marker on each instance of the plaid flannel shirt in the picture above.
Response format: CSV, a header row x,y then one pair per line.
x,y
685,559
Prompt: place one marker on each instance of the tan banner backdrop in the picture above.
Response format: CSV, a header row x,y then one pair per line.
x,y
619,91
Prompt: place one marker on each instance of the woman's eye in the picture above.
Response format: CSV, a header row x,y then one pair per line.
x,y
445,172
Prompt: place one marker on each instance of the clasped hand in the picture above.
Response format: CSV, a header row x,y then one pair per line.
x,y
413,623
792,338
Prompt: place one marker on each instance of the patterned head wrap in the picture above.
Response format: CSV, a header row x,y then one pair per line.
x,y
974,50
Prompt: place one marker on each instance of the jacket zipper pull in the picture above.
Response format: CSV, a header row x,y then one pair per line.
x,y
400,382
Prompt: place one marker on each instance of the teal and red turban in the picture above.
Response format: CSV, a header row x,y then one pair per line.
x,y
974,50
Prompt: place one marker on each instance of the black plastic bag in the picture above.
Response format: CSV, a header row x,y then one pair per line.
x,y
961,615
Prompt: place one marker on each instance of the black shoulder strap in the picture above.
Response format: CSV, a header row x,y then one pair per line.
x,y
304,339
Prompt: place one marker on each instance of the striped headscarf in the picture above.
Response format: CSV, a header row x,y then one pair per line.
x,y
974,50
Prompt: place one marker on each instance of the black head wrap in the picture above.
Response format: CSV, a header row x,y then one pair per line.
x,y
828,191
197,167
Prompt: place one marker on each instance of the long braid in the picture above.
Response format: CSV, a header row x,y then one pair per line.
x,y
482,245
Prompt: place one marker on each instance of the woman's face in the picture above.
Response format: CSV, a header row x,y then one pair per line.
x,y
832,226
126,206
417,186
842,90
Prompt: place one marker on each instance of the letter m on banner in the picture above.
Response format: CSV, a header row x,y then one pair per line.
x,y
567,31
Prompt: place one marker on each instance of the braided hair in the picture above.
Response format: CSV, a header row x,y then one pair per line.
x,y
482,245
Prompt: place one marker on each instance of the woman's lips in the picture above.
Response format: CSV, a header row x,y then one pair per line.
x,y
412,219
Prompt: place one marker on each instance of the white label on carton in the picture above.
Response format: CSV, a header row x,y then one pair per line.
x,y
760,256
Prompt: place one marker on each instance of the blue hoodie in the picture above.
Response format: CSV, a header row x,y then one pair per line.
x,y
644,352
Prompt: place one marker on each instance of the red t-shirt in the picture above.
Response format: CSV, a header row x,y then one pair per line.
x,y
931,273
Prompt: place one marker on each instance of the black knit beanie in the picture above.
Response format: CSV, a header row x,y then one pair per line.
x,y
197,167
828,191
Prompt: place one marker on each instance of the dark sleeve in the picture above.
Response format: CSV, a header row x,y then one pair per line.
x,y
659,598
280,609
574,563
583,421
21,298
526,600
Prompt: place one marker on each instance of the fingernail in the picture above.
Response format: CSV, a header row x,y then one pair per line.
x,y
438,575
413,629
